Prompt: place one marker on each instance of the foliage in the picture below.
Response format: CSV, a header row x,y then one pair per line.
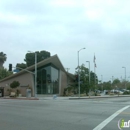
x,y
4,73
17,92
126,93
128,86
14,84
30,57
107,85
2,58
84,79
21,65
116,81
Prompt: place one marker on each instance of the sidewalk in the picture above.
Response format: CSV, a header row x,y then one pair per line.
x,y
85,97
95,97
20,98
64,98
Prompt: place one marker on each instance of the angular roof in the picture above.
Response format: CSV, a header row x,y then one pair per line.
x,y
53,59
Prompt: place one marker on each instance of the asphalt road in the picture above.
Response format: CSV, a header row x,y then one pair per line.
x,y
86,114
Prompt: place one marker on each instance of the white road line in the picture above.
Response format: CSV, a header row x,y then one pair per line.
x,y
105,122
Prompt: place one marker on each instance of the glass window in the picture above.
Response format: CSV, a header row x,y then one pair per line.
x,y
48,80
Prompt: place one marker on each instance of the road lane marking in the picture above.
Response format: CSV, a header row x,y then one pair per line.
x,y
105,122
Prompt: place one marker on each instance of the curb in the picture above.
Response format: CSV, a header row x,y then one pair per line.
x,y
77,98
22,98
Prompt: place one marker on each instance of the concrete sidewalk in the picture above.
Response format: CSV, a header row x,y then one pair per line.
x,y
63,98
95,97
20,98
77,98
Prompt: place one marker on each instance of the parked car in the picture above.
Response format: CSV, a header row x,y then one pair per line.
x,y
120,92
114,91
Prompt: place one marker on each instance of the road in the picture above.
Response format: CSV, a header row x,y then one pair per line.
x,y
86,114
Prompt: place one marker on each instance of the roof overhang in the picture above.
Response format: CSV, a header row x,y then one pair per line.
x,y
53,59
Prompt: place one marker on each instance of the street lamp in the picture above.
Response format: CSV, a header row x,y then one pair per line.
x,y
78,71
102,81
35,92
125,76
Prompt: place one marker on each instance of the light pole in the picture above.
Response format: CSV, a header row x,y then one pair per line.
x,y
78,72
125,76
102,81
35,92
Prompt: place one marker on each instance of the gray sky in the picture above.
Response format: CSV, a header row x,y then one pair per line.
x,y
63,27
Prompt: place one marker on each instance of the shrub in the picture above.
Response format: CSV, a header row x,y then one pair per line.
x,y
126,93
14,84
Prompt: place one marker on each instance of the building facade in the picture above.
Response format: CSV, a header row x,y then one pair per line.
x,y
52,78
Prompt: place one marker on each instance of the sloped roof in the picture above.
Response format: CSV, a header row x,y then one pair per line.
x,y
53,59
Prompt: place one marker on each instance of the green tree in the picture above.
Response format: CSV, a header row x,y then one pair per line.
x,y
21,65
30,57
107,85
116,81
4,73
2,59
94,81
14,84
84,79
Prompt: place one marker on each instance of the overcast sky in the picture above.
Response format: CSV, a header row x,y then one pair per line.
x,y
63,27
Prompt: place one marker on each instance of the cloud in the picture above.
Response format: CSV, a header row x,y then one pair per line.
x,y
65,26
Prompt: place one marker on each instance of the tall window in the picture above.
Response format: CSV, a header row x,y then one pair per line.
x,y
48,80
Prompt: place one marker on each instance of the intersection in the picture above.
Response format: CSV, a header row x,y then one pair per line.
x,y
62,114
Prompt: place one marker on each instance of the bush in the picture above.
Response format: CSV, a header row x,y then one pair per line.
x,y
17,92
126,93
14,84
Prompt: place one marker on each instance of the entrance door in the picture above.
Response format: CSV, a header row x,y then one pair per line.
x,y
1,92
49,88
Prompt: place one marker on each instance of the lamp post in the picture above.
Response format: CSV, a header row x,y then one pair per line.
x,y
125,76
35,92
78,72
102,81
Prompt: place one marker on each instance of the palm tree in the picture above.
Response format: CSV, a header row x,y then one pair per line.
x,y
2,59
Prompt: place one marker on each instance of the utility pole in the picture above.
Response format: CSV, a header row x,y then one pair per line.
x,y
102,81
78,72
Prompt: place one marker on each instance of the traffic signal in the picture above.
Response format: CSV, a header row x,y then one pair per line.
x,y
10,67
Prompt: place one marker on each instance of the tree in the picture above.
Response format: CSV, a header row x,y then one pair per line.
x,y
2,59
116,84
94,81
30,57
4,73
116,81
21,65
107,85
84,79
14,84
